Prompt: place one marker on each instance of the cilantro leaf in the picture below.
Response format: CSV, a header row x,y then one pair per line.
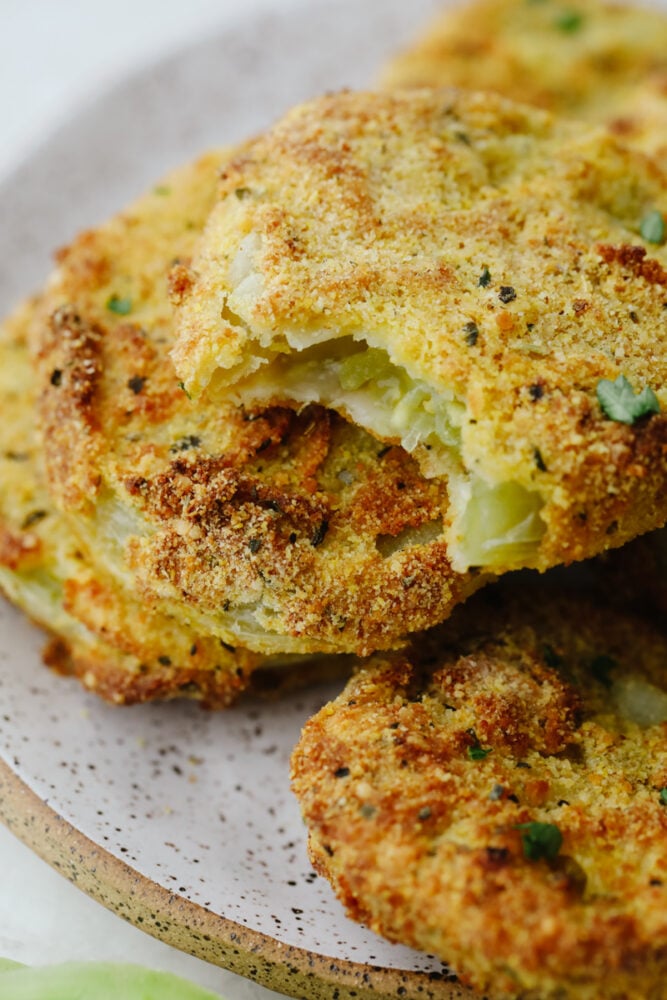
x,y
540,840
619,401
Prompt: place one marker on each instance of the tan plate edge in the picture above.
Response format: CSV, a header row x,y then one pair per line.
x,y
191,928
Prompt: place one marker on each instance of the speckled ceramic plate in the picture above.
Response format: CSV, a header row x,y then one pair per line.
x,y
182,821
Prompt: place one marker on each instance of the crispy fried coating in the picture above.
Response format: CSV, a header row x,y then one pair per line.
x,y
641,118
101,633
603,62
458,274
284,532
424,784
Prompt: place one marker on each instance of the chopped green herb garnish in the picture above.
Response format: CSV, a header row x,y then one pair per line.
x,y
652,227
619,401
540,840
119,306
484,278
475,750
242,193
181,385
569,21
162,190
663,796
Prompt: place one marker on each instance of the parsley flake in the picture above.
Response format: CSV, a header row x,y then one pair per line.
x,y
652,227
181,385
119,306
484,278
663,796
619,401
569,21
540,840
475,750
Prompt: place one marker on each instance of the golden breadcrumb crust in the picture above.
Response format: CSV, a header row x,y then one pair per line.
x,y
282,532
408,220
585,59
106,636
417,783
641,119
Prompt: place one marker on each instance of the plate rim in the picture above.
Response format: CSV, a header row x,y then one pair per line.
x,y
190,927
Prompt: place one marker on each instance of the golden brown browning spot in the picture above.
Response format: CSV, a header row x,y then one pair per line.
x,y
180,283
121,681
633,259
68,405
320,541
396,498
18,551
416,781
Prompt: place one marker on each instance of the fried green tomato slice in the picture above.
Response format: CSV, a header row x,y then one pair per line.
x,y
282,532
498,797
582,59
599,62
100,632
469,278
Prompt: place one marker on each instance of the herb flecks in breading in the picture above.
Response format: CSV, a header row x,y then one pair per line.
x,y
540,840
619,401
118,305
652,227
